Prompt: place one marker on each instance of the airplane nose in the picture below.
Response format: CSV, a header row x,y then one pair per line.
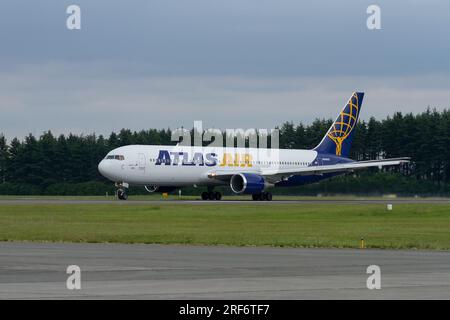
x,y
102,167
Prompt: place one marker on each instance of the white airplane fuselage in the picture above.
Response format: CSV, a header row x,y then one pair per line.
x,y
164,165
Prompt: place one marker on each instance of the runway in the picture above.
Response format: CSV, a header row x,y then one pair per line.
x,y
38,201
119,271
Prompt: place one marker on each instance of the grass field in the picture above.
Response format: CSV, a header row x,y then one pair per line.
x,y
422,226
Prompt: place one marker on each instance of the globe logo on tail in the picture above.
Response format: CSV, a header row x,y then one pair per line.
x,y
344,124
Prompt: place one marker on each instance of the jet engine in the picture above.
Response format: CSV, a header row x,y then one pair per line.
x,y
247,183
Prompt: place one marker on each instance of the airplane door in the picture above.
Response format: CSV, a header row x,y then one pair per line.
x,y
141,161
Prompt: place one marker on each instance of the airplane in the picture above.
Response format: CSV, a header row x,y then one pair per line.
x,y
252,171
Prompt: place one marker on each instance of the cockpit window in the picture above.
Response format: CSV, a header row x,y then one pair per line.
x,y
116,157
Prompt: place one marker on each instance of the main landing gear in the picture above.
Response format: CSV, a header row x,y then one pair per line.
x,y
262,196
210,195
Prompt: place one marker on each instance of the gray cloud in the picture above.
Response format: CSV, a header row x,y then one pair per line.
x,y
256,63
216,37
54,97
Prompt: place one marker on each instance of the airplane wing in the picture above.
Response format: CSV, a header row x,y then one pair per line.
x,y
225,175
278,174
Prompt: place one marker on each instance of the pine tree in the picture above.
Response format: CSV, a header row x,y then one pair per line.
x,y
3,157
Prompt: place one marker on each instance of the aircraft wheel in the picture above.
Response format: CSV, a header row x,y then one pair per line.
x,y
205,195
268,196
218,196
211,195
122,195
256,196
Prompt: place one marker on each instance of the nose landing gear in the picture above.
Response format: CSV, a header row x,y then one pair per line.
x,y
122,194
122,190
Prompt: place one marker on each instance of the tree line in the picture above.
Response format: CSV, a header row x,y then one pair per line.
x,y
67,164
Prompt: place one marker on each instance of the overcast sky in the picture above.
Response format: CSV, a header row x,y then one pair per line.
x,y
231,63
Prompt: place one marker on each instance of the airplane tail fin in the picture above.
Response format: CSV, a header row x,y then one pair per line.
x,y
338,139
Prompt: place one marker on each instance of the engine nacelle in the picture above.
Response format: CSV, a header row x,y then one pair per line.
x,y
248,183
